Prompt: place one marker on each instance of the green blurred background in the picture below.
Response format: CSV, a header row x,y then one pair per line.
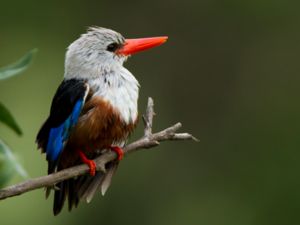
x,y
229,73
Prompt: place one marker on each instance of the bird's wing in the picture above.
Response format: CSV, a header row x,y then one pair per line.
x,y
65,110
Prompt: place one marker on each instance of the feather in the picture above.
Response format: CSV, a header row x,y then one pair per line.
x,y
93,187
108,177
59,197
65,110
59,135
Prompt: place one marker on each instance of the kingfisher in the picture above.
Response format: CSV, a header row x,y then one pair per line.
x,y
94,110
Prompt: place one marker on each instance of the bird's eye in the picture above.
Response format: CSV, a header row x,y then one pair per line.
x,y
112,47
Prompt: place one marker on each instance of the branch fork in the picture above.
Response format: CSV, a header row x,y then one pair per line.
x,y
149,140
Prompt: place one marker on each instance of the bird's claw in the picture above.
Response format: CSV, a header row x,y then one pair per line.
x,y
91,164
119,151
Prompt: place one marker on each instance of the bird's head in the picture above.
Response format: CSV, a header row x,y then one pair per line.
x,y
101,51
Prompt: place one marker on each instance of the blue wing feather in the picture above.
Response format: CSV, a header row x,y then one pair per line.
x,y
55,143
59,135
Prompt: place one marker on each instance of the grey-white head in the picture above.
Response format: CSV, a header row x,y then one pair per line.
x,y
101,51
94,53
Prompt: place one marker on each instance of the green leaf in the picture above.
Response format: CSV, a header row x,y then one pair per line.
x,y
8,119
9,165
17,67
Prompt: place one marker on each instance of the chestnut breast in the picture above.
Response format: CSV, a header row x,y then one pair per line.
x,y
99,126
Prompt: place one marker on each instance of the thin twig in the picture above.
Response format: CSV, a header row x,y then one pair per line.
x,y
149,140
148,118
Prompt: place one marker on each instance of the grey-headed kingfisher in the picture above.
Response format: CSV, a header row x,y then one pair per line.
x,y
94,110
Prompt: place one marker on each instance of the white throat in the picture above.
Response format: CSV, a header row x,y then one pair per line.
x,y
121,89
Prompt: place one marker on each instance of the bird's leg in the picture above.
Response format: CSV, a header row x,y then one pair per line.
x,y
90,163
119,152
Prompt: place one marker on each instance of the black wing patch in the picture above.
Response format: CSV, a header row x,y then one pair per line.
x,y
65,110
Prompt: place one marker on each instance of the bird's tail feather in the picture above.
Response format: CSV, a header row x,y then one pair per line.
x,y
100,182
82,188
107,178
87,191
59,197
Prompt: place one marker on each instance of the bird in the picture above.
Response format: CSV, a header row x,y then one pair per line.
x,y
94,110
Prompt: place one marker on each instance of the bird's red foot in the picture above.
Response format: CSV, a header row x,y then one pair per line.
x,y
119,152
90,163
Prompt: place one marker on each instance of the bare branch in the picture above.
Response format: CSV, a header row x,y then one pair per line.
x,y
148,118
148,141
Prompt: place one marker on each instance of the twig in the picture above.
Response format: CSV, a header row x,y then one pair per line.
x,y
149,140
148,118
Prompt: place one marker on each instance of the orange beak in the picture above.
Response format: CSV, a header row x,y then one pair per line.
x,y
133,46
